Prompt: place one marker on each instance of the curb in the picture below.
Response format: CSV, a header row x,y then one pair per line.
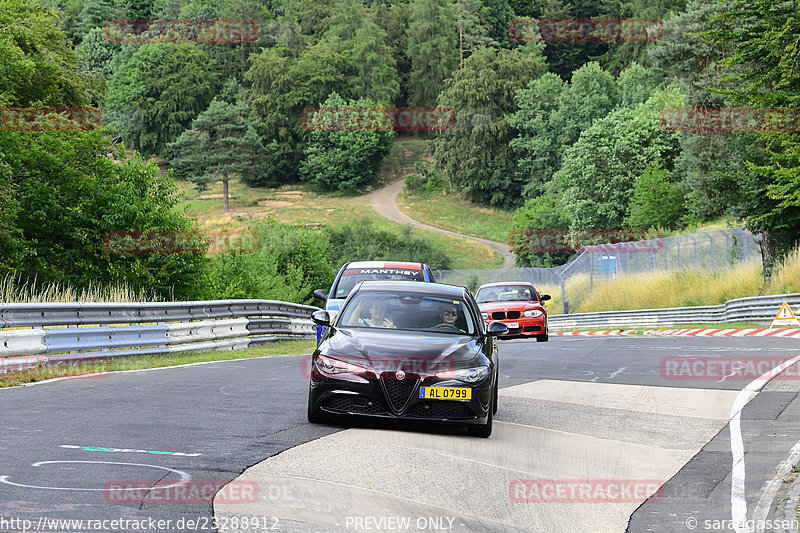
x,y
786,512
702,332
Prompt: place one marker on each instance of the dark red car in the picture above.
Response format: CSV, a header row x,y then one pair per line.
x,y
518,305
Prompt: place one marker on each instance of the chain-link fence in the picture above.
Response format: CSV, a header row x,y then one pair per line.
x,y
713,250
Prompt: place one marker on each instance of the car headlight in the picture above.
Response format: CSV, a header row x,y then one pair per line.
x,y
533,313
485,316
334,366
467,375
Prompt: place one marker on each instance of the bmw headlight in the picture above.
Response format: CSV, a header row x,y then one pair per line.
x,y
533,313
467,375
334,366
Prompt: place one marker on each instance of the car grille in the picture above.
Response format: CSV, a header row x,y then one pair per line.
x,y
354,404
501,315
398,391
441,409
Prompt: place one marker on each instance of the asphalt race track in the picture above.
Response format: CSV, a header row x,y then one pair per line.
x,y
607,411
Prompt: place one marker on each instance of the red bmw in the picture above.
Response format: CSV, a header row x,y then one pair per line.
x,y
518,305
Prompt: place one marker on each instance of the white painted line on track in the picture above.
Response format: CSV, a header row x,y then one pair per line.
x,y
738,502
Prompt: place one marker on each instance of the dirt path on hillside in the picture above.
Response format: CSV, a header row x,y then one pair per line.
x,y
384,201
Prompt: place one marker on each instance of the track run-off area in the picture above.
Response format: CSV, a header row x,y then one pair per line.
x,y
592,433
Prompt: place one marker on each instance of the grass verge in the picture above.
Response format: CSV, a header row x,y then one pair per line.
x,y
103,366
453,213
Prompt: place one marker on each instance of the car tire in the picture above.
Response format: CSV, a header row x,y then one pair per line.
x,y
486,429
543,338
314,415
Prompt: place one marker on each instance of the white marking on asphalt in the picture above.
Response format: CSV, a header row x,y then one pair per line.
x,y
738,502
183,475
617,372
771,488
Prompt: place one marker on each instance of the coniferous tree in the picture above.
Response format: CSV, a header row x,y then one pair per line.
x,y
219,146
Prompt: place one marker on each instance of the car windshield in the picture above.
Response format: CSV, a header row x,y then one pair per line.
x,y
352,276
505,293
410,312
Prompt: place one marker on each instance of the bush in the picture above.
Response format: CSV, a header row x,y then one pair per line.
x,y
425,181
343,160
288,264
362,241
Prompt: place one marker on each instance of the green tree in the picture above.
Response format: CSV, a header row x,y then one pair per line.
x,y
71,195
372,71
537,144
38,66
95,54
656,202
343,160
282,83
636,84
545,214
552,116
288,263
475,154
156,94
219,146
432,49
591,95
599,172
764,34
364,240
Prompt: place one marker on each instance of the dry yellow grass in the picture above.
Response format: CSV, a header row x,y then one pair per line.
x,y
786,277
14,290
660,289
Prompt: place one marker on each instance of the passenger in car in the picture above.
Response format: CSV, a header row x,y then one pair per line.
x,y
377,315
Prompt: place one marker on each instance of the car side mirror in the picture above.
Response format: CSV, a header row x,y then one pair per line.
x,y
545,297
321,294
321,317
496,328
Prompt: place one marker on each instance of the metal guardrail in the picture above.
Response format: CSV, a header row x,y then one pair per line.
x,y
758,309
33,334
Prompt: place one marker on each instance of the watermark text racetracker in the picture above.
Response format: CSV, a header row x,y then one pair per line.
x,y
188,492
733,368
181,31
585,490
585,30
569,241
32,119
180,242
732,119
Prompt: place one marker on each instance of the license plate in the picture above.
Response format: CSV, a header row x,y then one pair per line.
x,y
445,393
512,325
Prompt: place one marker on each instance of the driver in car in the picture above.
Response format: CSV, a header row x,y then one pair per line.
x,y
448,316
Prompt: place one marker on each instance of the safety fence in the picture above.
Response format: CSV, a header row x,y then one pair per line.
x,y
597,263
32,334
757,309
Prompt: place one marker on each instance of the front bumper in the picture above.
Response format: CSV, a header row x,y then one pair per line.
x,y
389,398
526,327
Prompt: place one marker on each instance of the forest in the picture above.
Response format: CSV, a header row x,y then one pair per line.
x,y
565,133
